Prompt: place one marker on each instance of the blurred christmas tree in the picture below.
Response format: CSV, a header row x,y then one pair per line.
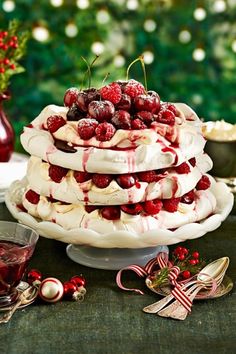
x,y
189,48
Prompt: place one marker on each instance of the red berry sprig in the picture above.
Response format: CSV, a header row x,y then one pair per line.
x,y
188,262
12,48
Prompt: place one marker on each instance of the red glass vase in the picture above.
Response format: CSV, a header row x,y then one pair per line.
x,y
7,136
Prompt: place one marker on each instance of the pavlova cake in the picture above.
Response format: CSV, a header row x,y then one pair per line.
x,y
117,158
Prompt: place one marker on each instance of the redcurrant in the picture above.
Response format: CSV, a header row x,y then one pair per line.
x,y
195,255
192,261
184,251
186,274
181,257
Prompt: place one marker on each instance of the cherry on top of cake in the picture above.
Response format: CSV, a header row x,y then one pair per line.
x,y
122,105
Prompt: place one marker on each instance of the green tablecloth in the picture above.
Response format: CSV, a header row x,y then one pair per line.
x,y
111,320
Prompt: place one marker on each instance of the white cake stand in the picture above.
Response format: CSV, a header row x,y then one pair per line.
x,y
121,248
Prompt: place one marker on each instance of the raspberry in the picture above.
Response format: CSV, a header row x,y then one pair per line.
x,y
54,123
105,131
86,128
70,96
81,177
166,117
171,205
132,209
101,180
111,92
192,161
126,181
147,176
133,88
145,116
188,198
111,213
138,124
56,173
90,208
121,120
204,183
183,168
32,196
171,107
152,207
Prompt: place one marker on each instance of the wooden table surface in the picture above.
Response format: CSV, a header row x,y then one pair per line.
x,y
111,320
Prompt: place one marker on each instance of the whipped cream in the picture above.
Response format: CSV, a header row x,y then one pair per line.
x,y
172,185
219,131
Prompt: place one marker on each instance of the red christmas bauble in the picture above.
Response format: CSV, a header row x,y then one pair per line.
x,y
79,280
51,290
34,277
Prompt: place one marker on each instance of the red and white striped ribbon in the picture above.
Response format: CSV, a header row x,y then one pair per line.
x,y
162,261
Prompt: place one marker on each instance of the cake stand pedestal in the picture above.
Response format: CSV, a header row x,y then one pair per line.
x,y
112,258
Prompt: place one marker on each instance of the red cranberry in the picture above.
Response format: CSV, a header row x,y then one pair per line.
x,y
81,177
70,96
101,110
90,208
124,103
121,120
149,102
126,181
32,196
111,212
132,209
188,198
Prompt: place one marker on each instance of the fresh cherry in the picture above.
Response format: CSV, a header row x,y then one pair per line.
x,y
70,96
74,114
124,103
85,97
101,110
110,212
149,102
126,181
121,120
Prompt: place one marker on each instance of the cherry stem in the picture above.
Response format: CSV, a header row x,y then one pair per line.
x,y
141,59
105,78
89,66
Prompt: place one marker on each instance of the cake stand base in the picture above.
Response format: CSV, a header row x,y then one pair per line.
x,y
112,258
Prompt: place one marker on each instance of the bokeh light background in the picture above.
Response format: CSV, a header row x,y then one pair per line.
x,y
189,48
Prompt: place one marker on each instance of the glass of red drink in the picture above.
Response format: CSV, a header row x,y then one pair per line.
x,y
17,244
